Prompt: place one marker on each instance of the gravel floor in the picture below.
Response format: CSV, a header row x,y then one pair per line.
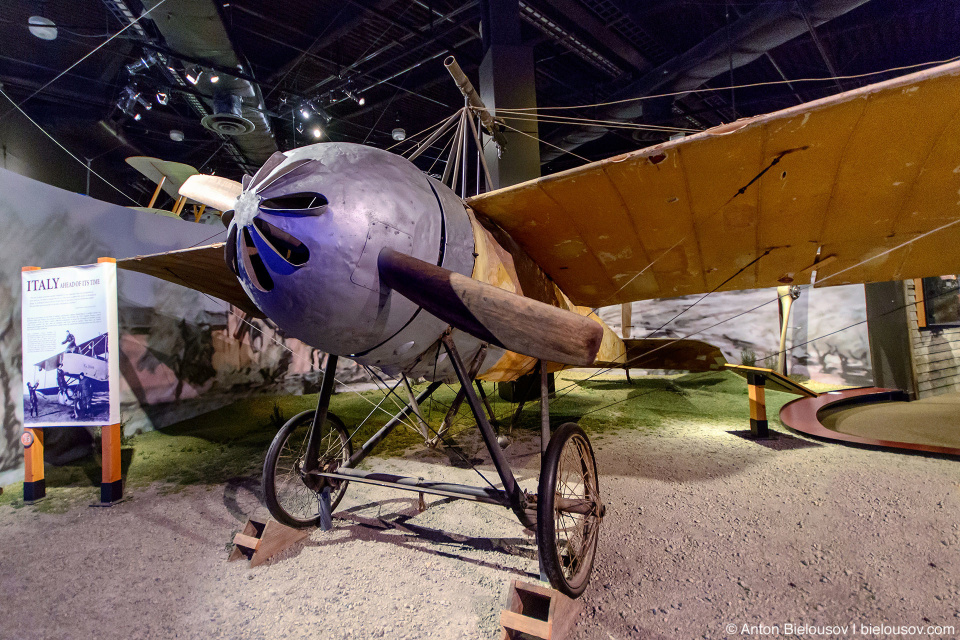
x,y
705,529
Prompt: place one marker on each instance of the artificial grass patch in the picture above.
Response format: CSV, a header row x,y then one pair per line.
x,y
230,442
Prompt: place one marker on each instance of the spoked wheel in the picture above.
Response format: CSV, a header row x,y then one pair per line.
x,y
291,498
569,510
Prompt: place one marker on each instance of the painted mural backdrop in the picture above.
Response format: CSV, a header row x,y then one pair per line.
x,y
181,353
827,336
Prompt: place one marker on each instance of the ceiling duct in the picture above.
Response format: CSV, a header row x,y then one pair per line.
x,y
227,117
194,30
766,27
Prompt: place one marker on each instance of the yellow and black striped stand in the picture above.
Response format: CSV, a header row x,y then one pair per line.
x,y
758,408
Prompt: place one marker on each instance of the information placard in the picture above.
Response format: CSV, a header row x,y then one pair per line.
x,y
71,365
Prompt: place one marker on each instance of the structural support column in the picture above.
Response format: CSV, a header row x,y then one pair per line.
x,y
888,331
507,81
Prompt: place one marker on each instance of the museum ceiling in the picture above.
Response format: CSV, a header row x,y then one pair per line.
x,y
371,66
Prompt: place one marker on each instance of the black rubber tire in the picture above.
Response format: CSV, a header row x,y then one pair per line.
x,y
289,500
568,467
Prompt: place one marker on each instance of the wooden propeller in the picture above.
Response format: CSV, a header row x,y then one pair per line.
x,y
492,314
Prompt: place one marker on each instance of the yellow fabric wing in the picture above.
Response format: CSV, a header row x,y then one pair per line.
x,y
199,268
858,187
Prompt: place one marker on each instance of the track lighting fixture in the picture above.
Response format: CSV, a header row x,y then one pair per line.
x,y
360,100
141,65
309,108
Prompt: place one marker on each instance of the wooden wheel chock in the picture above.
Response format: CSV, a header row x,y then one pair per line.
x,y
260,541
537,612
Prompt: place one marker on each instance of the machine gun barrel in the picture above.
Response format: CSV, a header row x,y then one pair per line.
x,y
473,99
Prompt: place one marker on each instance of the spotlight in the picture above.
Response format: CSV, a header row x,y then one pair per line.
x,y
176,135
317,132
214,78
309,108
144,63
359,100
399,134
43,28
322,113
193,74
162,98
128,100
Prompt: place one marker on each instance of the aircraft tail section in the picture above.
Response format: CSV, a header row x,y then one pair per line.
x,y
666,353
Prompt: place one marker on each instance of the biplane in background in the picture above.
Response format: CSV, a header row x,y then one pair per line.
x,y
169,177
356,252
75,374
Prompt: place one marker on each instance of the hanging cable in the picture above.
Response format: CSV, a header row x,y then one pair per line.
x,y
68,152
549,144
97,48
608,124
728,88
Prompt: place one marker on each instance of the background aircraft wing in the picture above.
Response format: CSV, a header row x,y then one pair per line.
x,y
94,346
155,169
154,210
200,268
835,186
49,364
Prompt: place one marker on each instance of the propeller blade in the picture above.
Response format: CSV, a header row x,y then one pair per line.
x,y
494,315
213,191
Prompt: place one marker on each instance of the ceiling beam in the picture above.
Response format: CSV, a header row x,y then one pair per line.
x,y
345,21
423,31
586,22
743,41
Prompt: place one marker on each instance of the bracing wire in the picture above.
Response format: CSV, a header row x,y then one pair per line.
x,y
608,124
428,130
728,88
819,282
549,144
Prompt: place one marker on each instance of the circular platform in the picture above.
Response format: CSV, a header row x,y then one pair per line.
x,y
879,417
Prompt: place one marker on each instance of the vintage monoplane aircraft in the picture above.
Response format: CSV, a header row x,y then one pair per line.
x,y
357,252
